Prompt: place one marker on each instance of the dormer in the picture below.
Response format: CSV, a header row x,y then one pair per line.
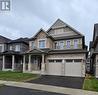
x,y
41,40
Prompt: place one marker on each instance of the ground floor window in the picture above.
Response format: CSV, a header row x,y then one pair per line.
x,y
66,60
77,60
69,60
55,60
51,61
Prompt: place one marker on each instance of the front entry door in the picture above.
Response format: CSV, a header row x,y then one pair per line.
x,y
36,62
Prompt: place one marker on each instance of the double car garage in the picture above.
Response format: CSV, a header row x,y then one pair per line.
x,y
66,67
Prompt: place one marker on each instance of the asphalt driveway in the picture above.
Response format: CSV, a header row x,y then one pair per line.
x,y
62,81
8,90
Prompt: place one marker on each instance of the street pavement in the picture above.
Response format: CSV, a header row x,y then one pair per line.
x,y
48,88
9,90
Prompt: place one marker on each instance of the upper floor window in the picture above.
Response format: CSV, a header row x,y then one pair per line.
x,y
33,45
59,45
41,43
17,48
0,48
11,48
68,44
75,43
62,45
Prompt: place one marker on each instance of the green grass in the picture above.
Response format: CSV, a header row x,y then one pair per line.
x,y
91,84
16,76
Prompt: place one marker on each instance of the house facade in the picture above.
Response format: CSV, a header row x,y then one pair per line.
x,y
60,50
12,54
94,51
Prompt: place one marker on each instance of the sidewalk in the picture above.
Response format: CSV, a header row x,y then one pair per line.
x,y
49,88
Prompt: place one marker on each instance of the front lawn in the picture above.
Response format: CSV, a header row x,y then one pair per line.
x,y
91,83
16,76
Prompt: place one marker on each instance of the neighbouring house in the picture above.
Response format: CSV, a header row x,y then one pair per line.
x,y
12,53
94,51
60,50
3,47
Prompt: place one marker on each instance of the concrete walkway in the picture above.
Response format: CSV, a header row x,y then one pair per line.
x,y
49,88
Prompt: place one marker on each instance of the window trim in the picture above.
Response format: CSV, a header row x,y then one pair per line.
x,y
11,47
60,44
18,48
2,45
39,41
75,45
66,44
32,47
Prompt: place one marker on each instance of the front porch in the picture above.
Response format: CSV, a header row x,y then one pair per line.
x,y
12,62
34,62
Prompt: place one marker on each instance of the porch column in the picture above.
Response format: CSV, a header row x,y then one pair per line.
x,y
43,64
3,67
24,64
29,64
13,62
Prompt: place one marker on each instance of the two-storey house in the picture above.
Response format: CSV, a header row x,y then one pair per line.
x,y
60,51
94,51
12,56
3,47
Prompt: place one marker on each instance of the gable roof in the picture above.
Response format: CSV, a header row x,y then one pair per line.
x,y
4,39
59,24
36,51
41,30
20,40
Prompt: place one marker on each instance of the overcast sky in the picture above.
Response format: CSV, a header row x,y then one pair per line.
x,y
28,16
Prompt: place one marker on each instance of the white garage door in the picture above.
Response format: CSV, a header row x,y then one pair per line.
x,y
54,67
73,67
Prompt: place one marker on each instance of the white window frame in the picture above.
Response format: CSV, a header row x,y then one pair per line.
x,y
1,48
17,49
75,47
2,45
66,44
61,47
41,40
11,47
32,47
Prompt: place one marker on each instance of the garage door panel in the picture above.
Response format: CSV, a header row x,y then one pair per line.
x,y
73,69
54,68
